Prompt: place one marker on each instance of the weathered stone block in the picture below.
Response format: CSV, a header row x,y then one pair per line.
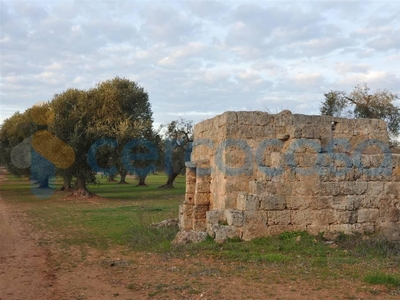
x,y
301,217
349,202
281,130
199,211
258,131
227,118
190,188
363,227
189,198
390,231
255,217
308,133
190,175
375,188
272,159
306,187
185,222
354,188
189,236
239,131
277,229
277,159
210,229
341,163
255,224
392,190
223,232
362,175
237,184
294,131
298,202
256,187
199,224
323,217
272,202
366,161
337,175
247,202
346,216
231,201
378,160
388,213
277,186
284,118
321,202
215,216
203,184
315,229
344,228
279,217
395,160
186,209
306,160
202,187
369,215
258,118
369,201
201,199
329,188
396,173
234,217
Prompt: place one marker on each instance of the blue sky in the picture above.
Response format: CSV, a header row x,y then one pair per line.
x,y
198,58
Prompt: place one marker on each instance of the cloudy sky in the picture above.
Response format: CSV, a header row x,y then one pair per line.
x,y
199,58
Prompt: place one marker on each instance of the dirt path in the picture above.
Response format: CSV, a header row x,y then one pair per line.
x,y
29,271
23,269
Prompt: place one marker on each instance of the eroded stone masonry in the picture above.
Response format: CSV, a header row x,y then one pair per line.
x,y
254,174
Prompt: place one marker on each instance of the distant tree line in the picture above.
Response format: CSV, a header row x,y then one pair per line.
x,y
79,132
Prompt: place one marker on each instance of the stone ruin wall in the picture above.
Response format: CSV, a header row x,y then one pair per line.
x,y
292,182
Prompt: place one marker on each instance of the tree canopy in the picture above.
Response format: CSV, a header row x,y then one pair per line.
x,y
83,123
361,103
14,135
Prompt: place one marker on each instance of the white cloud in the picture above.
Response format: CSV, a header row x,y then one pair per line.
x,y
209,9
309,80
386,42
367,32
55,66
374,79
199,58
166,61
351,67
79,79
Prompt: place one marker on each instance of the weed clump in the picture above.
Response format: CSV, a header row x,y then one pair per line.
x,y
383,278
375,245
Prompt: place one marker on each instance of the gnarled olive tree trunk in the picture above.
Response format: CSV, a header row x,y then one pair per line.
x,y
123,177
67,186
81,189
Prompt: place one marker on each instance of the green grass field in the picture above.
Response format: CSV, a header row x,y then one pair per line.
x,y
112,218
121,215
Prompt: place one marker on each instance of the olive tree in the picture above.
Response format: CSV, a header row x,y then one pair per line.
x,y
178,138
361,103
